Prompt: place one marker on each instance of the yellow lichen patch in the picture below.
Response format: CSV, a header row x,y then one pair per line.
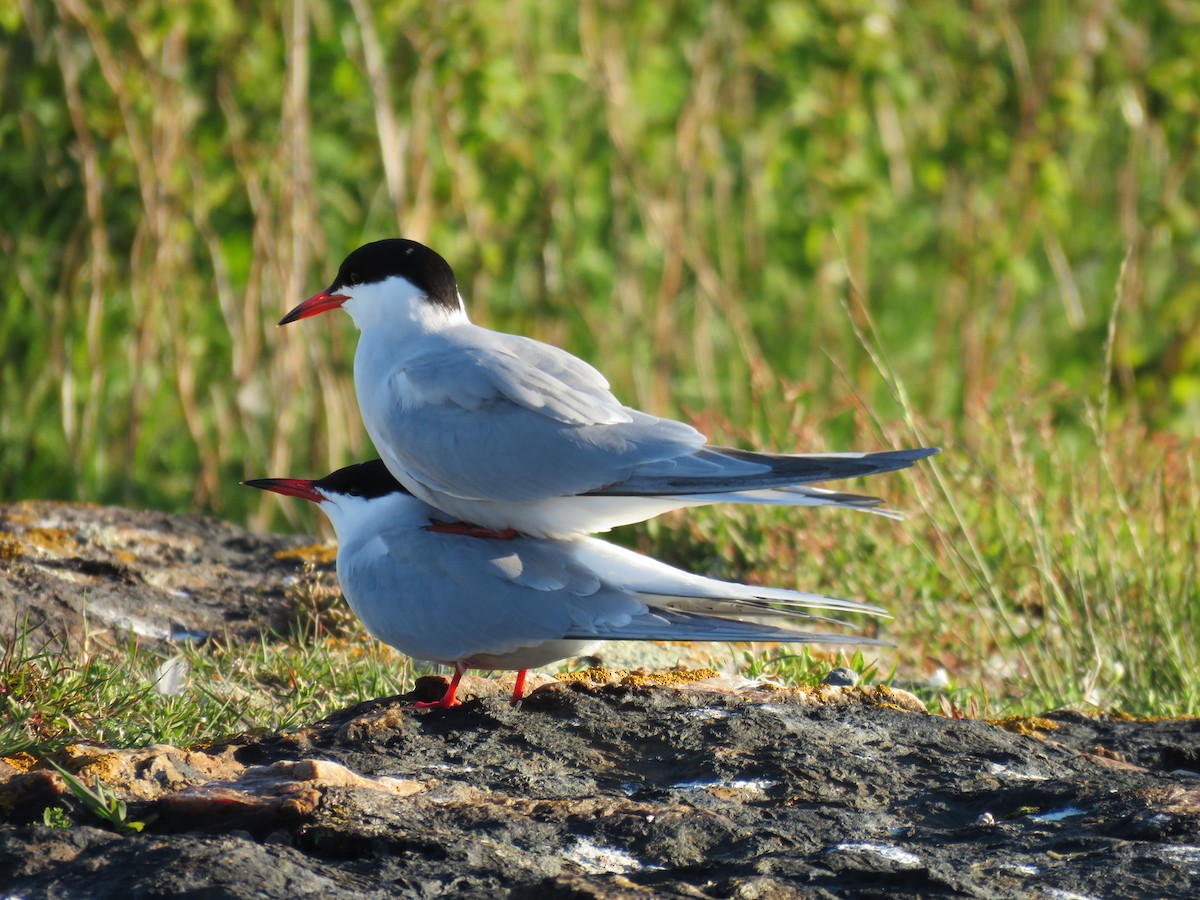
x,y
52,540
40,508
1029,726
879,695
10,547
669,678
315,553
594,675
23,512
123,556
22,762
602,675
891,698
819,693
107,765
1105,753
639,679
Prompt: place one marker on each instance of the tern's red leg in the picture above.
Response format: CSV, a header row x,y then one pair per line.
x,y
472,530
519,687
448,700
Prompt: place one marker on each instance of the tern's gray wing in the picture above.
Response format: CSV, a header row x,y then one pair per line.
x,y
548,379
473,367
456,596
720,470
514,421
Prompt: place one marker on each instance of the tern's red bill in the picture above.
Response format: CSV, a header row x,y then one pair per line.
x,y
293,487
315,305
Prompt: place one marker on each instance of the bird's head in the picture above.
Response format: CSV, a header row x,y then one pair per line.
x,y
392,279
340,493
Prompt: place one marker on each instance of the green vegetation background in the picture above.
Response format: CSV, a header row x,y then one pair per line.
x,y
805,225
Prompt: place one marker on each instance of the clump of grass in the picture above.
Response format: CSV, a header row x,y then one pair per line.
x,y
1050,559
51,695
100,801
1077,551
1076,559
55,696
55,817
801,665
1039,567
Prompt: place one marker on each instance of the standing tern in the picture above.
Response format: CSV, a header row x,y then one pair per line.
x,y
512,434
518,603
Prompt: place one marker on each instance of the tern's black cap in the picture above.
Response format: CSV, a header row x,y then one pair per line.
x,y
367,480
381,260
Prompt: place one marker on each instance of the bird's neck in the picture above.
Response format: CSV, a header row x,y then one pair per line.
x,y
355,519
398,313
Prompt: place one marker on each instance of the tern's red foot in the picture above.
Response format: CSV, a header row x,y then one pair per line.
x,y
472,530
519,687
437,704
448,699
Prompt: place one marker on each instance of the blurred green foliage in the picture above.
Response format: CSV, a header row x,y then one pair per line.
x,y
702,199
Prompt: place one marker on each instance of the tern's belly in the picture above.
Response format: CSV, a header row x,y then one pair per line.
x,y
531,657
556,517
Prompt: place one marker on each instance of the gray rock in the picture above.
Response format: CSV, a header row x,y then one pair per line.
x,y
72,568
600,790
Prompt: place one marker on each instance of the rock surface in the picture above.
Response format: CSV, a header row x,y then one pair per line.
x,y
608,790
74,569
589,788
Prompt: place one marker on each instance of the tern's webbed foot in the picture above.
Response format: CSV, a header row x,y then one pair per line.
x,y
438,704
448,699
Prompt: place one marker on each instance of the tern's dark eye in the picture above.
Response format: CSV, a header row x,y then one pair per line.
x,y
355,278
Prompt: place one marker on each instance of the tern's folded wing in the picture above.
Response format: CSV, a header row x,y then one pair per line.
x,y
473,367
456,596
500,427
721,470
670,625
445,596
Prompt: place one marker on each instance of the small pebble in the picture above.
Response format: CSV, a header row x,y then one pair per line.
x,y
841,677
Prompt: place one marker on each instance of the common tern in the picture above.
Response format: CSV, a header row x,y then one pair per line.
x,y
518,603
512,434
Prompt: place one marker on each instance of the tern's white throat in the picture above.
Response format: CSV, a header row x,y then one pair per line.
x,y
396,303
